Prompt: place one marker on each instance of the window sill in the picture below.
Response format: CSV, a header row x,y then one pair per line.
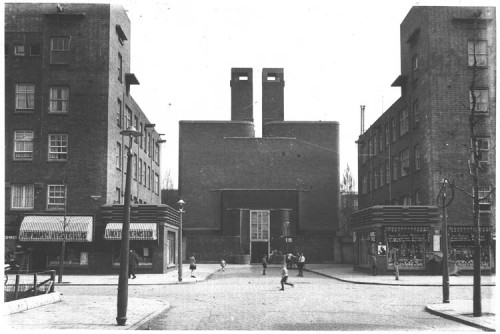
x,y
58,112
22,209
25,111
23,160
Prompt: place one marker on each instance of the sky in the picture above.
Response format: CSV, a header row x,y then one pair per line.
x,y
336,56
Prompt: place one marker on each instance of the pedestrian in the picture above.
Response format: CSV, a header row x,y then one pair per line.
x,y
289,257
222,264
264,265
284,277
301,263
192,265
133,261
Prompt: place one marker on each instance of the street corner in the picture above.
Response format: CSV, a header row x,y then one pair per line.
x,y
462,311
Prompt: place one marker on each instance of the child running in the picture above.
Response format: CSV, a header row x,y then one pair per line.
x,y
222,264
284,277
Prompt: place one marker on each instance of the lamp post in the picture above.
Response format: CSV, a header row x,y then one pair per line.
x,y
287,224
122,301
179,251
446,276
63,246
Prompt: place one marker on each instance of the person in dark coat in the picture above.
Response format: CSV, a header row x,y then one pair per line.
x,y
133,262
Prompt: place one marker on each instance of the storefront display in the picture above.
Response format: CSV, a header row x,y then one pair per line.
x,y
406,246
462,247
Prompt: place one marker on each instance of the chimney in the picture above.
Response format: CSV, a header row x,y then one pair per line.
x,y
241,94
273,84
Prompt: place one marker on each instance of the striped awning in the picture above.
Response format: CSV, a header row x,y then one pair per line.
x,y
406,229
138,231
51,229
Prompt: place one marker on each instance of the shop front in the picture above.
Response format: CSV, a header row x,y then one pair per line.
x,y
42,236
461,252
386,235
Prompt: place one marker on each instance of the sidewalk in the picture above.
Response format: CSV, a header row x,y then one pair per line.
x,y
100,312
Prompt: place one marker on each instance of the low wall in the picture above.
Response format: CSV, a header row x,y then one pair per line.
x,y
24,304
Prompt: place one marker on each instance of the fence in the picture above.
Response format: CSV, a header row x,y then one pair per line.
x,y
28,285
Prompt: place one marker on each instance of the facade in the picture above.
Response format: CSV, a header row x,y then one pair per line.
x,y
425,136
67,98
348,205
248,196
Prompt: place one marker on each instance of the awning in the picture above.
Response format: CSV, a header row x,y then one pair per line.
x,y
51,228
406,229
138,231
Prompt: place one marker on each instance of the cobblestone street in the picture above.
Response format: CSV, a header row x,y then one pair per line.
x,y
242,299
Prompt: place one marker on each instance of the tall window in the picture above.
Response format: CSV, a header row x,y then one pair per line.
x,y
149,144
157,154
482,100
140,170
370,147
22,196
59,99
416,112
483,148
156,184
144,174
117,195
395,163
136,125
381,175
364,184
128,117
59,50
414,67
387,172
479,49
403,122
120,67
418,200
259,225
364,148
148,176
119,157
23,145
381,140
387,135
140,137
56,194
406,200
394,129
58,147
119,114
417,157
25,97
375,143
375,178
134,166
405,162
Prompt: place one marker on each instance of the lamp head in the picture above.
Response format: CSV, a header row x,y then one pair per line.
x,y
181,204
131,131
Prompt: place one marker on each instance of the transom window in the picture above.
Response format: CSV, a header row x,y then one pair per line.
x,y
22,196
59,99
23,145
479,49
59,50
56,195
259,225
58,147
482,100
25,96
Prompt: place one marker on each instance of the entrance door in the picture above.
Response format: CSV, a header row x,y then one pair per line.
x,y
259,234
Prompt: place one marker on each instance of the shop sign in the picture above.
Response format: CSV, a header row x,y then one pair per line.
x,y
405,237
52,235
134,234
11,237
467,237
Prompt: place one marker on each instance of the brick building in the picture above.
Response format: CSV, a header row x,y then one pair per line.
x,y
248,195
424,136
67,98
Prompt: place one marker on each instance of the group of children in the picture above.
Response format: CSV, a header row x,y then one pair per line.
x,y
284,268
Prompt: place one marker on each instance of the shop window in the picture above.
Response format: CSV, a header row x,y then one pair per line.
x,y
407,248
142,248
462,247
72,257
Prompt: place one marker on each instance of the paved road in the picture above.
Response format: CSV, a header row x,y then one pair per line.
x,y
243,299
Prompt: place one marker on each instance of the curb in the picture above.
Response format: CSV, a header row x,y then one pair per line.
x,y
391,284
459,319
24,304
150,316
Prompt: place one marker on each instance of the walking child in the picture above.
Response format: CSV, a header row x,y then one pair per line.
x,y
284,277
222,264
264,265
192,265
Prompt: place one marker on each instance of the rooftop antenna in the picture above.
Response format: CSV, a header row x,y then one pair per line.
x,y
362,119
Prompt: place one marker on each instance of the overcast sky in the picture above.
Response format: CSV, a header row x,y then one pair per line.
x,y
336,55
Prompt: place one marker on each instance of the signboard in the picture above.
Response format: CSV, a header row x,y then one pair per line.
x,y
52,235
134,234
405,237
436,243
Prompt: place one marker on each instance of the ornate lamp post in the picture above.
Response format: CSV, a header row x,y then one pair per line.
x,y
122,302
179,251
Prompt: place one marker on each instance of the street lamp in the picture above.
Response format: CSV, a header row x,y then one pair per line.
x,y
287,224
121,317
63,246
179,251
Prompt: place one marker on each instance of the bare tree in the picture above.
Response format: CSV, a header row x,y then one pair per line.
x,y
348,182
